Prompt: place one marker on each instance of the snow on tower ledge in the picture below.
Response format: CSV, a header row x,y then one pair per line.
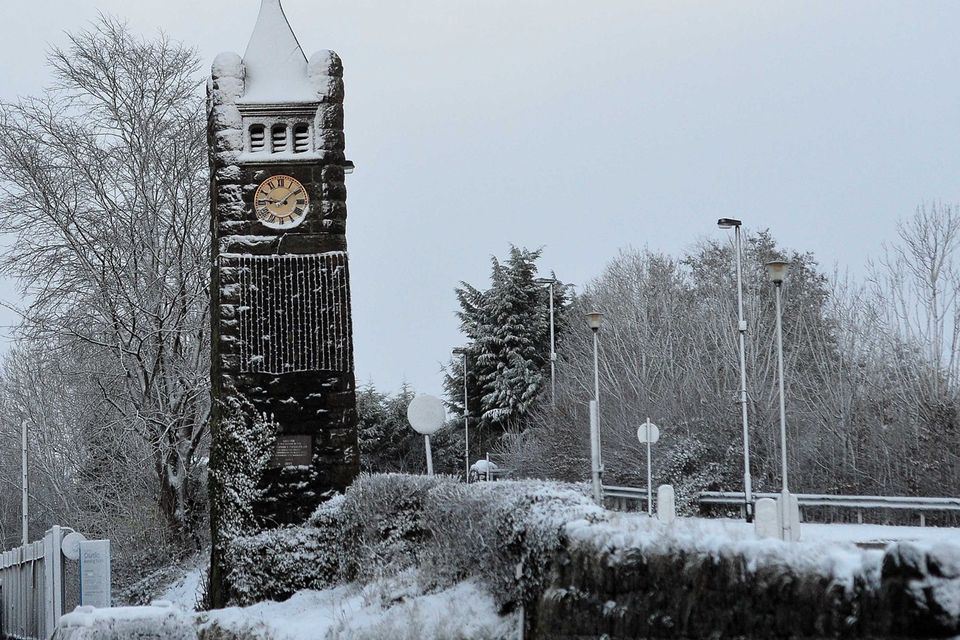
x,y
276,68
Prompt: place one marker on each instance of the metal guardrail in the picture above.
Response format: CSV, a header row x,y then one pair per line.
x,y
632,493
735,498
31,587
624,494
905,503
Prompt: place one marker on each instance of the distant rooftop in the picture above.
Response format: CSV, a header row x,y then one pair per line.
x,y
276,68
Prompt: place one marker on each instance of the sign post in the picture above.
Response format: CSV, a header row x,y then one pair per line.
x,y
426,415
649,433
95,573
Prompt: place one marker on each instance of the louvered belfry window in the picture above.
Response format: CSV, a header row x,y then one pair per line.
x,y
258,137
279,138
301,138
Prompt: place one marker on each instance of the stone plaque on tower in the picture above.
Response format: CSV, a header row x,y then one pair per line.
x,y
282,333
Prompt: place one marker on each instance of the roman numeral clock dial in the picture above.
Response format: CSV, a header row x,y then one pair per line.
x,y
281,202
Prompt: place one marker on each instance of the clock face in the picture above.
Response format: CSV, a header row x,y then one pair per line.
x,y
281,202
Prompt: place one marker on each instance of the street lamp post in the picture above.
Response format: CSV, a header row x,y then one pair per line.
x,y
595,320
776,271
553,343
462,351
727,223
25,504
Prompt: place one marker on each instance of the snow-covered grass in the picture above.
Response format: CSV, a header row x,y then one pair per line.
x,y
464,611
308,614
877,533
866,534
392,608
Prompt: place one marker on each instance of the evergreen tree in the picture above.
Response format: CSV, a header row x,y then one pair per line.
x,y
508,344
387,442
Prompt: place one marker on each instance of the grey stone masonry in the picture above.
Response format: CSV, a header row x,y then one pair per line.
x,y
281,322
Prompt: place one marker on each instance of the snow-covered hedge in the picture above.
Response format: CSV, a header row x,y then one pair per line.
x,y
506,533
641,578
383,523
387,523
275,564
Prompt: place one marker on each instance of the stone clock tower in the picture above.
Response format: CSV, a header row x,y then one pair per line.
x,y
282,341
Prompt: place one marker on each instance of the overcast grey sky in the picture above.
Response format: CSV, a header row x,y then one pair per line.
x,y
585,127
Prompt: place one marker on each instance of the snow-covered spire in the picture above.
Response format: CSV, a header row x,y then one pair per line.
x,y
276,68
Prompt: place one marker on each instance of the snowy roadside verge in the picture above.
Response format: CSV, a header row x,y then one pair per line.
x,y
393,608
376,611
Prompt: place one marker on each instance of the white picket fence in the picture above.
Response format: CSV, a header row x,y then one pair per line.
x,y
32,588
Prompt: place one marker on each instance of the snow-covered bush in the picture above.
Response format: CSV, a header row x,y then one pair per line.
x,y
687,466
237,465
487,529
384,524
273,565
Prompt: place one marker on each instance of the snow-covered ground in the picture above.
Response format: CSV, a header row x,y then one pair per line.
x,y
390,609
393,608
188,590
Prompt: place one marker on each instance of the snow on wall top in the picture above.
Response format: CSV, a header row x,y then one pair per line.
x,y
276,67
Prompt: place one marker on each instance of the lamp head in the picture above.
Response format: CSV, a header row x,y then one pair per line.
x,y
728,223
460,351
595,319
777,271
545,280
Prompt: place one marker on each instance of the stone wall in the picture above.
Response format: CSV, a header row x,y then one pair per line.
x,y
626,590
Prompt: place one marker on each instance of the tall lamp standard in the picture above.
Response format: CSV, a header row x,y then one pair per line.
x,y
728,223
776,271
462,351
24,496
553,343
595,320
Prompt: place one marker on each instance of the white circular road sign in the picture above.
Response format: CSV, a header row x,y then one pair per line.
x,y
643,435
426,414
70,546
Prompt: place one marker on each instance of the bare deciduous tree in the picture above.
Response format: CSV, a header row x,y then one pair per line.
x,y
104,186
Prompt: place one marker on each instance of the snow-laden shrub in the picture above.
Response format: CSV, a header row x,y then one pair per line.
x,y
237,463
503,532
688,468
383,523
388,523
275,564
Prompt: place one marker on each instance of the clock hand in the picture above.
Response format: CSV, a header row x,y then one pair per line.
x,y
290,195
